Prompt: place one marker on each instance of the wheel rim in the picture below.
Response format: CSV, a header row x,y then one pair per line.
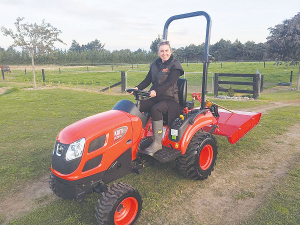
x,y
206,157
126,211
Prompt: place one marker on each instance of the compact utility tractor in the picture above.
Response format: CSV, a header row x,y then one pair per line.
x,y
91,153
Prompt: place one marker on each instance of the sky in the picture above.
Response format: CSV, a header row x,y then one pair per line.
x,y
134,24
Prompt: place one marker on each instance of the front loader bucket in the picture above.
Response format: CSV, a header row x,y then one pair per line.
x,y
236,124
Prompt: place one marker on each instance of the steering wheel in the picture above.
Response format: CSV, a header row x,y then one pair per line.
x,y
139,94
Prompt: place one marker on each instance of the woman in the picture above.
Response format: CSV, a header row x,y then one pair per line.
x,y
163,74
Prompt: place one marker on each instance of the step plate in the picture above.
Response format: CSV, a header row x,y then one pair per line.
x,y
166,154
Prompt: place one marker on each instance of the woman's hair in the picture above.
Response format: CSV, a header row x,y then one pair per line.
x,y
163,42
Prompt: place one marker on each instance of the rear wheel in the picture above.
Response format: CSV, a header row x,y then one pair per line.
x,y
200,157
121,204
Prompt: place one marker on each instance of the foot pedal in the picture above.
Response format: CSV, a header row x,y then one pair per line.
x,y
166,154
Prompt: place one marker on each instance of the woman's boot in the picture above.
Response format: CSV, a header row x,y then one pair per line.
x,y
157,131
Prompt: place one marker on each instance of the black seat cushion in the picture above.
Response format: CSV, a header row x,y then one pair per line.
x,y
182,91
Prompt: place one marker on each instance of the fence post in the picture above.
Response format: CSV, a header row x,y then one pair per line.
x,y
3,74
43,74
25,70
123,81
298,81
291,77
261,83
256,86
59,71
264,64
216,85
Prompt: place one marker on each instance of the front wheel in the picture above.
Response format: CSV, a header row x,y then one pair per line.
x,y
121,204
199,160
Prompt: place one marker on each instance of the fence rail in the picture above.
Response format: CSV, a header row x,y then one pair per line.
x,y
134,77
255,84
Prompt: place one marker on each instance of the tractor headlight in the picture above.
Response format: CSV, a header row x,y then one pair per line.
x,y
75,149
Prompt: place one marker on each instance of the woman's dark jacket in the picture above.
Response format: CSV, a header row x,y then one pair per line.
x,y
163,77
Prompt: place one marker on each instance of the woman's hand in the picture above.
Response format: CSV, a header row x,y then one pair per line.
x,y
152,94
132,91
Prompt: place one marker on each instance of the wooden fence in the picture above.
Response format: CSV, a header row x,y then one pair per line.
x,y
256,83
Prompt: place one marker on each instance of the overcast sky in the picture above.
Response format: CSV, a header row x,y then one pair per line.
x,y
134,24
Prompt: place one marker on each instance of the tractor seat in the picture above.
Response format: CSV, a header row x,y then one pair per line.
x,y
182,95
182,91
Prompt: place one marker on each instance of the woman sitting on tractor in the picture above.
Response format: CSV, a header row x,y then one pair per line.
x,y
163,74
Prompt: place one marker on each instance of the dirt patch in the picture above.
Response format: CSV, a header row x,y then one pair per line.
x,y
232,196
274,105
40,67
32,196
278,88
116,90
3,90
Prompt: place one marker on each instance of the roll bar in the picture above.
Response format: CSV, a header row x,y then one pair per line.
x,y
206,47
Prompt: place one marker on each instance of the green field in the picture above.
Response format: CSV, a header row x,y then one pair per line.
x,y
98,77
31,119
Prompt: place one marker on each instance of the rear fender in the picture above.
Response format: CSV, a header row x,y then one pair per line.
x,y
200,122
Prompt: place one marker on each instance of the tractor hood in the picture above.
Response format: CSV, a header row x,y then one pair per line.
x,y
93,125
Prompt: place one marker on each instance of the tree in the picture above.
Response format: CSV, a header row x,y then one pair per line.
x,y
94,46
180,54
237,49
1,52
154,44
37,39
91,46
75,47
284,41
253,51
221,50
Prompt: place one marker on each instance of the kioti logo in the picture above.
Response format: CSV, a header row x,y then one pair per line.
x,y
120,132
165,70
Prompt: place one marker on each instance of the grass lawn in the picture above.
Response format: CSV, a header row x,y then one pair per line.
x,y
103,76
31,120
282,206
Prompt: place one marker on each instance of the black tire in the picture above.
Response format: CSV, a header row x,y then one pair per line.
x,y
200,157
52,186
121,204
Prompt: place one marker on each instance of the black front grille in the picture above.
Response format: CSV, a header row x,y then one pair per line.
x,y
92,163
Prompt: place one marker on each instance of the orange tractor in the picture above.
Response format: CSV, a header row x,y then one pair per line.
x,y
95,151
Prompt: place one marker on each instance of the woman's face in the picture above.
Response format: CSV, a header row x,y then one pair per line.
x,y
164,52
